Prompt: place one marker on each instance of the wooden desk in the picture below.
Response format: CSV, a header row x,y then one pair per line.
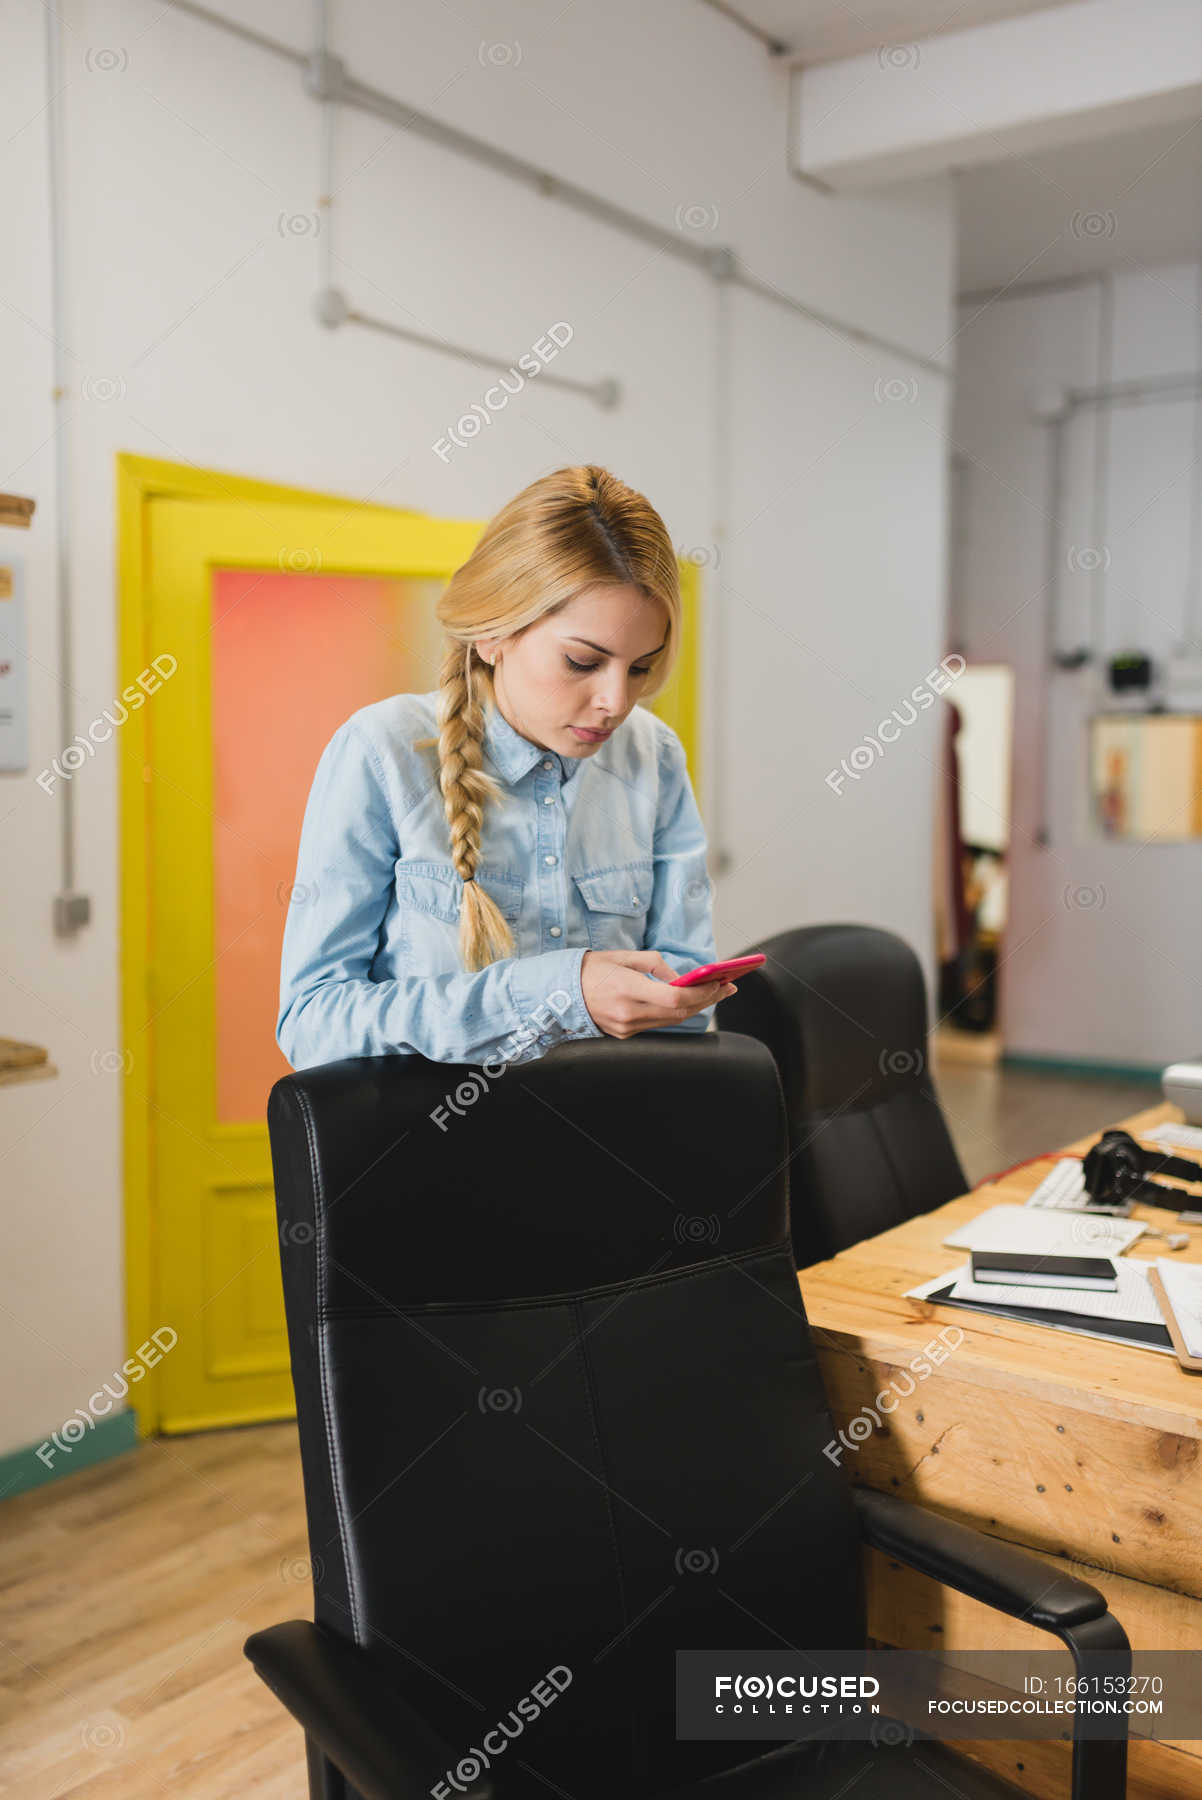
x,y
1084,1451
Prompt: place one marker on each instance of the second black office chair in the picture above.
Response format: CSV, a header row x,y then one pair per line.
x,y
843,1010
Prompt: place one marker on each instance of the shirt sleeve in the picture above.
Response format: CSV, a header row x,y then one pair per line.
x,y
680,919
330,1007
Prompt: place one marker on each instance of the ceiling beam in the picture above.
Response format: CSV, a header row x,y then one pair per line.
x,y
1065,75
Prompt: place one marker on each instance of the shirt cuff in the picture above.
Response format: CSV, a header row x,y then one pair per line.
x,y
549,998
696,1024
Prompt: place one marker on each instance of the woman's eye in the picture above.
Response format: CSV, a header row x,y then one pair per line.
x,y
585,668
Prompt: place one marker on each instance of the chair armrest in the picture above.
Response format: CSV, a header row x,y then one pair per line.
x,y
351,1711
1010,1580
1020,1583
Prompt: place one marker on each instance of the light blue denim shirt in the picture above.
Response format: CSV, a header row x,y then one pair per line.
x,y
604,852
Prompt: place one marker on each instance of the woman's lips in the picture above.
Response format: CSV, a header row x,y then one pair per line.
x,y
591,737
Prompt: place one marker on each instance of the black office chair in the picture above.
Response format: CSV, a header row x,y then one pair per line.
x,y
559,1412
843,1010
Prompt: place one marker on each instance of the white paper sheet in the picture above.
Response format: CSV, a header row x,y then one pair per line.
x,y
1132,1301
1176,1137
1183,1285
1014,1297
1046,1231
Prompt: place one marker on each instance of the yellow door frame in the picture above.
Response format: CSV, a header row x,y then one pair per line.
x,y
141,482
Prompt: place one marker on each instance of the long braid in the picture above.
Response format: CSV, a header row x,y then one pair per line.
x,y
484,935
565,532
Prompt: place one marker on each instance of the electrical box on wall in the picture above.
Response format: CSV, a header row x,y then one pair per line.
x,y
14,694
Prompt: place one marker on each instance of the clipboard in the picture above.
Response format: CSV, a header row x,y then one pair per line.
x,y
1193,1363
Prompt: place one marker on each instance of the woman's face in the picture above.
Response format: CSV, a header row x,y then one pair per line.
x,y
569,680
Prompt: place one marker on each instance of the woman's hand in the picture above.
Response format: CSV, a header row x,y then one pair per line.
x,y
622,1001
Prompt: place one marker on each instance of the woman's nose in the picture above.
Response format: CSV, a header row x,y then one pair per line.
x,y
610,696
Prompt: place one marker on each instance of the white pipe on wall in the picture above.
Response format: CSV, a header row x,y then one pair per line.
x,y
71,910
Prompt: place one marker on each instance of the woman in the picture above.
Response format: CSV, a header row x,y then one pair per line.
x,y
498,865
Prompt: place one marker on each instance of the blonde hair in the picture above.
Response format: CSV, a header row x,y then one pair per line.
x,y
568,531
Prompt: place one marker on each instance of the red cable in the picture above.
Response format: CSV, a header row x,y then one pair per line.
x,y
1044,1156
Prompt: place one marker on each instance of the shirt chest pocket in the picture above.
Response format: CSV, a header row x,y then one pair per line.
x,y
616,902
435,891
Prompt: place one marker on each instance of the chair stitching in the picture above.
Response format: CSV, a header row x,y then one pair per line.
x,y
532,1302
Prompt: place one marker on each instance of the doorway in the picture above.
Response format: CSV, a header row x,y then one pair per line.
x,y
972,861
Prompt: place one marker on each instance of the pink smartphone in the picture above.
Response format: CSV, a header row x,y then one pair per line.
x,y
738,965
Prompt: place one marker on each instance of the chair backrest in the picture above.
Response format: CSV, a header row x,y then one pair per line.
x,y
557,1400
843,1009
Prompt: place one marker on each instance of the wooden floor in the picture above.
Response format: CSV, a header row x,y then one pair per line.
x,y
127,1593
129,1589
999,1116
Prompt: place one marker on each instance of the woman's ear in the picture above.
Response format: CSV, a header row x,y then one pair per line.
x,y
486,649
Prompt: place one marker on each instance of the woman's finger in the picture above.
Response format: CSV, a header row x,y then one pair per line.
x,y
692,999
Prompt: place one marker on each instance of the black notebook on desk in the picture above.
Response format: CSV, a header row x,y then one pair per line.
x,y
1114,1331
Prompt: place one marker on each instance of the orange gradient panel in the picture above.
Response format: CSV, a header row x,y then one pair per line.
x,y
293,656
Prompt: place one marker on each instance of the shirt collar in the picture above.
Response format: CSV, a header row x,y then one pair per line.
x,y
515,755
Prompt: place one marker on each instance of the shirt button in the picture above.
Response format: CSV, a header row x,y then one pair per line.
x,y
635,901
556,931
551,860
548,799
548,765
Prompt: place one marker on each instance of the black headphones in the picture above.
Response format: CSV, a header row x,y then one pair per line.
x,y
1118,1171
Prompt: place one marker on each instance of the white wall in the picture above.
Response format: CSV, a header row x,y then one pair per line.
x,y
182,157
1082,209
1102,961
832,604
